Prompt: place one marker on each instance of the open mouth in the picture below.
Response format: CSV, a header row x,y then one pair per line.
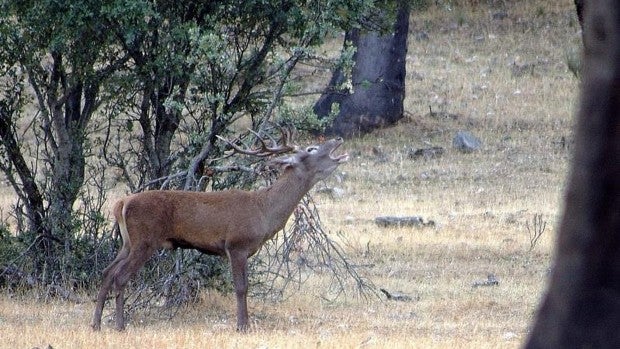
x,y
339,158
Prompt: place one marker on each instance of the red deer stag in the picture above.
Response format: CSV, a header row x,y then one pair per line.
x,y
231,223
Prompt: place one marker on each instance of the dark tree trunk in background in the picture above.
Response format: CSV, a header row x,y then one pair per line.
x,y
581,308
378,79
579,7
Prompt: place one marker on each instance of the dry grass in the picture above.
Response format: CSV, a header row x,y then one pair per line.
x,y
507,82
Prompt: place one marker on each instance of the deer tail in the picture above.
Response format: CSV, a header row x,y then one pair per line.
x,y
119,214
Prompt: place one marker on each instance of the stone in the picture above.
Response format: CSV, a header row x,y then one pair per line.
x,y
333,192
466,142
490,281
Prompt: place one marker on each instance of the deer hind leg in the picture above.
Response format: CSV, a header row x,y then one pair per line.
x,y
106,286
238,263
122,254
121,275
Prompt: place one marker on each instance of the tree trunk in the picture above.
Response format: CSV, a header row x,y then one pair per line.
x,y
579,8
581,308
378,80
26,188
71,106
157,122
157,137
67,105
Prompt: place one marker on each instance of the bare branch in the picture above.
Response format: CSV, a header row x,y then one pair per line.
x,y
536,230
302,248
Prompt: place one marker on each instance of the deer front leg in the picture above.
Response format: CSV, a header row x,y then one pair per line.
x,y
238,263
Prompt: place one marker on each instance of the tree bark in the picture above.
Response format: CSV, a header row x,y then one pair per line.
x,y
158,82
581,308
157,138
579,8
378,80
27,188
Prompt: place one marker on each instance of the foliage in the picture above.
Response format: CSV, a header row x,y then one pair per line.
x,y
304,119
66,58
9,247
136,91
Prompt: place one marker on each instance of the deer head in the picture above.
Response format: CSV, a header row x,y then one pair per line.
x,y
314,163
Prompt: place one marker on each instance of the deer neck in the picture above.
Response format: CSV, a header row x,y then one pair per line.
x,y
281,199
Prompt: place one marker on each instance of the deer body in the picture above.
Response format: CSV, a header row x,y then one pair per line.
x,y
231,223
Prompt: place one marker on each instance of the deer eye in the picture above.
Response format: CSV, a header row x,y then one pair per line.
x,y
312,149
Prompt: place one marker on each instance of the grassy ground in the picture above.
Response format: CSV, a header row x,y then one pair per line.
x,y
506,80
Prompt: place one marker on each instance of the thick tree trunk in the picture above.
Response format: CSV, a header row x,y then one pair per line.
x,y
579,8
69,121
67,105
581,308
378,80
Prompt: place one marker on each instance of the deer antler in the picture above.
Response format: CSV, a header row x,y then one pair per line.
x,y
265,150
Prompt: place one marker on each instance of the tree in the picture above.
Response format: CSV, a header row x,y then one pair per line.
x,y
157,38
145,87
199,68
581,308
377,91
579,8
66,62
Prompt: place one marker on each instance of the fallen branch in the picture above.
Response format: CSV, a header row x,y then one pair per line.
x,y
305,249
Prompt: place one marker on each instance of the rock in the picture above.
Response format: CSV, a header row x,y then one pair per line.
x,y
466,142
490,281
426,153
406,221
333,192
500,15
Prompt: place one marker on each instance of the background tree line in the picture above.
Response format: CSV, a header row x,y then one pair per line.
x,y
96,93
